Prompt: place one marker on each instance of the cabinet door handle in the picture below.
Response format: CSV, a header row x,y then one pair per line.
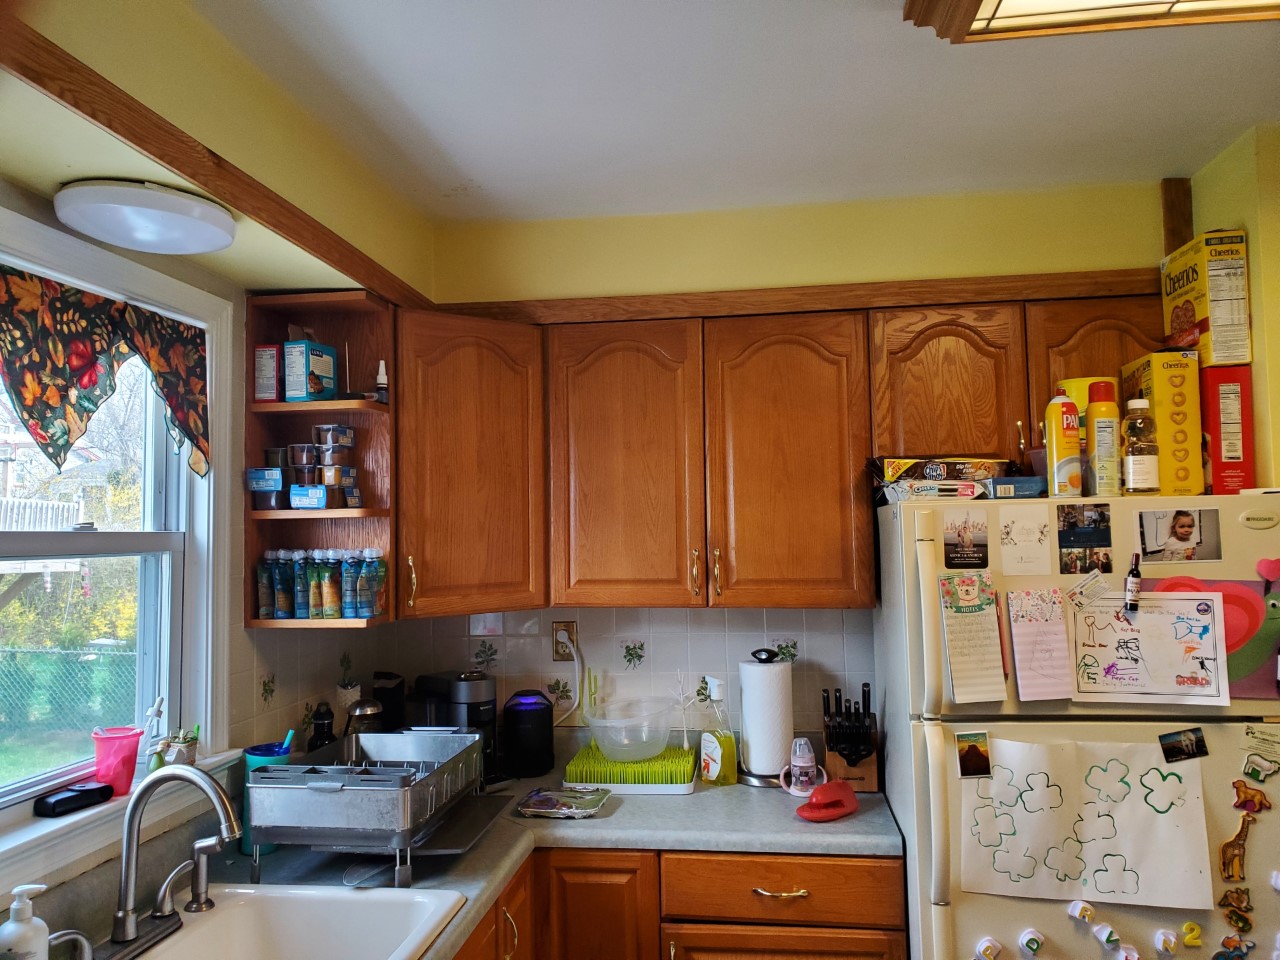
x,y
794,894
413,581
515,935
693,571
673,950
1022,440
715,570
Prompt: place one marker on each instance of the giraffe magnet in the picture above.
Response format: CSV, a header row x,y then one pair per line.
x,y
1231,853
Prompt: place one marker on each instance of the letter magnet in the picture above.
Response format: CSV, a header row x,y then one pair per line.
x,y
1128,951
1031,941
1107,935
1166,943
989,948
1080,910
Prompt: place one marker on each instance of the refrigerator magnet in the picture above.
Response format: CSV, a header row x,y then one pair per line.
x,y
964,538
973,754
1183,745
1249,798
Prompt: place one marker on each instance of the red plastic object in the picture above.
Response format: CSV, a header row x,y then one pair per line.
x,y
829,801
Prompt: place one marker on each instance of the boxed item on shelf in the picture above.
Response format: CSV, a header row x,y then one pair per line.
x,y
1171,382
266,372
1205,288
336,476
914,478
310,371
354,498
264,479
1016,487
1226,415
307,496
334,435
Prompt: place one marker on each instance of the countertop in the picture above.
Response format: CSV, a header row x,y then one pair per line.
x,y
737,818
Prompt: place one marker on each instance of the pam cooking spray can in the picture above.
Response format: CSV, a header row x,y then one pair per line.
x,y
1062,446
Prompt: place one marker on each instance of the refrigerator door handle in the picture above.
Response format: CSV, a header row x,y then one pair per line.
x,y
935,742
930,613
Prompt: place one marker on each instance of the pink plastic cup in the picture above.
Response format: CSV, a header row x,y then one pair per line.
x,y
116,757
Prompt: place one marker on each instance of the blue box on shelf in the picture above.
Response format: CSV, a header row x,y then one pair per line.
x,y
310,371
264,479
307,496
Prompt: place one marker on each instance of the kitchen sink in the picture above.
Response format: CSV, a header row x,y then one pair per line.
x,y
283,922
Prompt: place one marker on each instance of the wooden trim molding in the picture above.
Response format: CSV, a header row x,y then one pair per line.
x,y
950,19
1175,203
848,296
42,64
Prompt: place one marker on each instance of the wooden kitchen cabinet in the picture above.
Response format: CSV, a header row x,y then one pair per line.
x,y
704,941
483,942
764,906
471,466
789,502
1089,337
628,515
949,381
601,904
506,932
787,515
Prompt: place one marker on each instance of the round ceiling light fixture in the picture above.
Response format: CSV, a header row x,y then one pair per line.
x,y
144,216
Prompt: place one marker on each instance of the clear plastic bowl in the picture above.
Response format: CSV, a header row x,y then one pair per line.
x,y
633,729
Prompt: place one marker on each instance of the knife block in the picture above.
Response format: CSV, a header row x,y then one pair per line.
x,y
864,776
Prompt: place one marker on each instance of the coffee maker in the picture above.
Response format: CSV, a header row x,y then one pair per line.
x,y
467,698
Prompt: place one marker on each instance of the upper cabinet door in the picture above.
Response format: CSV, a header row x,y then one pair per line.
x,y
1088,338
471,465
628,521
787,442
949,381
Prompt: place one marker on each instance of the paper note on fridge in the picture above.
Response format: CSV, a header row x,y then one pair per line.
x,y
1042,656
972,632
1097,821
1172,650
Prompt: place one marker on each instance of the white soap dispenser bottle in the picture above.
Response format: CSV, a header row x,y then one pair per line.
x,y
24,936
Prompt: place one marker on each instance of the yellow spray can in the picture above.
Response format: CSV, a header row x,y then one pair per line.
x,y
1062,446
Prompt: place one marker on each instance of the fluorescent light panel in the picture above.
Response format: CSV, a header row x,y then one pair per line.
x,y
999,16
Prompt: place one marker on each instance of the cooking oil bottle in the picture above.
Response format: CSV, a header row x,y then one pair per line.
x,y
719,750
1062,446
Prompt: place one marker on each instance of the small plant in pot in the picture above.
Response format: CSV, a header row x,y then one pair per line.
x,y
348,691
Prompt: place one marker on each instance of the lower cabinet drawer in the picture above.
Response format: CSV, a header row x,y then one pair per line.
x,y
827,891
704,941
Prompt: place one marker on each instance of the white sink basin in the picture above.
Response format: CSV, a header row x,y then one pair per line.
x,y
281,922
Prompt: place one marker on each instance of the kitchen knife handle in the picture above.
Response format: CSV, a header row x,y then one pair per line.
x,y
693,571
715,570
794,894
413,581
515,935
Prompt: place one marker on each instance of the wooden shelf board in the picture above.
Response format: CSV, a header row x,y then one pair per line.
x,y
340,624
337,513
327,301
321,406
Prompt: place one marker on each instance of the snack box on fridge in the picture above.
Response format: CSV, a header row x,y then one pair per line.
x,y
1205,289
1226,416
1171,381
310,371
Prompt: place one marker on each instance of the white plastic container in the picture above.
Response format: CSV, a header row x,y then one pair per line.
x,y
24,936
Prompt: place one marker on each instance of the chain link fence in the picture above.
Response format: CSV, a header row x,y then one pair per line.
x,y
66,689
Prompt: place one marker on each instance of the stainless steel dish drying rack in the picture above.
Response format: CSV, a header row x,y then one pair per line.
x,y
371,793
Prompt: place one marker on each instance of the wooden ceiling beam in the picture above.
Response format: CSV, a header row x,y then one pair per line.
x,y
1175,205
42,64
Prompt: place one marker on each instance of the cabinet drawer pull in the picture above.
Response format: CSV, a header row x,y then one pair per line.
x,y
780,896
1022,440
697,590
673,950
715,570
515,935
413,581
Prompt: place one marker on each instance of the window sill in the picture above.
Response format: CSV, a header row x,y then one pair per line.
x,y
43,850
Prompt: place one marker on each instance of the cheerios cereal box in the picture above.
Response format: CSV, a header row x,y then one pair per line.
x,y
1171,381
1205,289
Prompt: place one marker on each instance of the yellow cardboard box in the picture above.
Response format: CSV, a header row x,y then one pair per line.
x,y
1205,289
1171,381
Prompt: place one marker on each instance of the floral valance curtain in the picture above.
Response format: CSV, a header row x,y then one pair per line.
x,y
60,348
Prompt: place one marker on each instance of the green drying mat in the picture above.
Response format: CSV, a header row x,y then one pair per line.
x,y
672,771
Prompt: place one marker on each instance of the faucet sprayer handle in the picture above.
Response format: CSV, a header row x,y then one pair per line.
x,y
200,851
164,899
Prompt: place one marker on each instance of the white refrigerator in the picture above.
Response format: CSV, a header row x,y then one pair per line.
x,y
992,867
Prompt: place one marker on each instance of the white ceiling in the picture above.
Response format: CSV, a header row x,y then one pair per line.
x,y
544,109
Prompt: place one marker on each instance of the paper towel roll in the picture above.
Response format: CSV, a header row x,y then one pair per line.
x,y
767,724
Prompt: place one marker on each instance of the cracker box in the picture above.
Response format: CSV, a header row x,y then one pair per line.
x,y
1205,289
310,371
1226,415
1171,381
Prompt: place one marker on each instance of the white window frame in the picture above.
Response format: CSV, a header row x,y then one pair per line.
x,y
32,848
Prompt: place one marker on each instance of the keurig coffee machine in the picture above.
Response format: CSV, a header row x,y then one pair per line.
x,y
465,699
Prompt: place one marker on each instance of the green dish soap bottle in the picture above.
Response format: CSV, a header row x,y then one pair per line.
x,y
719,750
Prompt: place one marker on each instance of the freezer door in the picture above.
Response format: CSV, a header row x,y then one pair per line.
x,y
973,917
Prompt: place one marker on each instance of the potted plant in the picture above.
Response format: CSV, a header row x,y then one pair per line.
x,y
348,691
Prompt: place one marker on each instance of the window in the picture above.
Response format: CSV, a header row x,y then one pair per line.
x,y
91,563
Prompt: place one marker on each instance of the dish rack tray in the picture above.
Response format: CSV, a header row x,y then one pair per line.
x,y
366,793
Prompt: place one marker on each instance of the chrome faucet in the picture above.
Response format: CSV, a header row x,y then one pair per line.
x,y
125,925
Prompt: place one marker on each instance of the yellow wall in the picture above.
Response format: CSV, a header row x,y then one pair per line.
x,y
165,55
1241,188
1084,228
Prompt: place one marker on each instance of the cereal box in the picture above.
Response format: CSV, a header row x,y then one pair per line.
x,y
1205,289
1226,414
310,371
1171,382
